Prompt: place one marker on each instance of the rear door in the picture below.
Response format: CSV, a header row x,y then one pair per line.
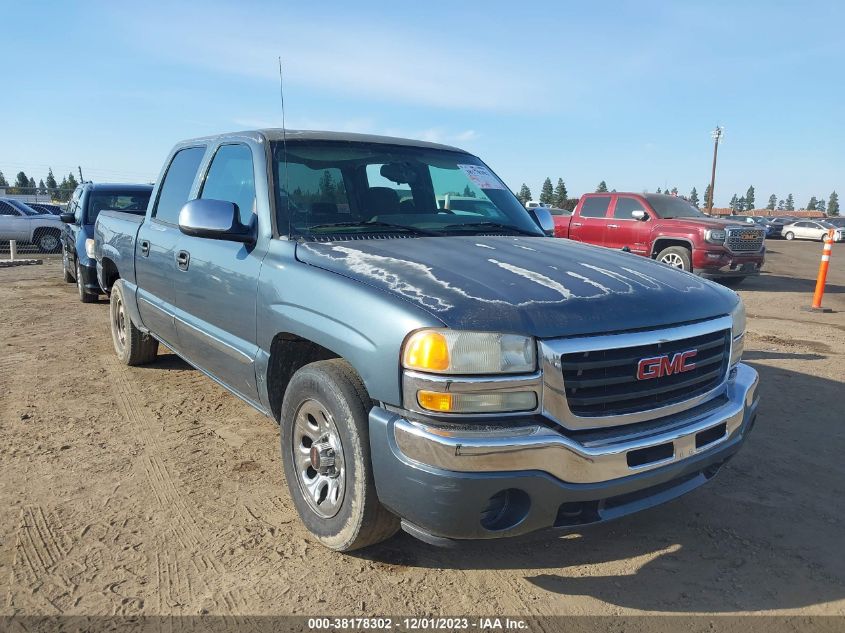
x,y
155,246
13,224
623,230
590,223
216,285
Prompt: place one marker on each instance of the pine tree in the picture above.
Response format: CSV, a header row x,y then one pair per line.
x,y
833,204
773,200
659,190
820,205
674,191
560,194
524,194
781,205
790,203
741,204
51,182
749,199
42,190
468,193
21,181
547,193
31,185
708,192
734,203
3,181
811,205
602,188
693,197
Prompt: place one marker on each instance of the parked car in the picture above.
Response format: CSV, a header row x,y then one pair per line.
x,y
460,376
20,222
86,203
41,207
812,230
837,222
668,229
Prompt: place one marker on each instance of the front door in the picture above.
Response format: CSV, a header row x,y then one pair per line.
x,y
155,246
216,284
623,230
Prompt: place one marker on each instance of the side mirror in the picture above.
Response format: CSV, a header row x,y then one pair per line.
x,y
215,220
544,219
67,218
640,215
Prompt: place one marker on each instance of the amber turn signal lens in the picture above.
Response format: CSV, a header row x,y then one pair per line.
x,y
427,350
434,401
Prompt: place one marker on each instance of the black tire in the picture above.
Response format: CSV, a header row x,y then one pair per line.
x,y
132,347
789,235
676,257
68,278
360,519
48,240
84,295
730,282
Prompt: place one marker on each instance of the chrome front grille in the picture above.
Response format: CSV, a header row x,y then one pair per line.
x,y
592,382
744,240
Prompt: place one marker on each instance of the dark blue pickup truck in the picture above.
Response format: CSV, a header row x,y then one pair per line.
x,y
454,372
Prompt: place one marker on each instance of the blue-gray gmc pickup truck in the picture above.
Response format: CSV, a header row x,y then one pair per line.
x,y
454,372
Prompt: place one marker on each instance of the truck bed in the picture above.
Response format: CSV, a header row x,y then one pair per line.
x,y
115,233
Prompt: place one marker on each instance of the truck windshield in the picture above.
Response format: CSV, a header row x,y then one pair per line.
x,y
672,206
326,188
128,201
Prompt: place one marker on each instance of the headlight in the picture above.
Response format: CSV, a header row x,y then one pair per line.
x,y
89,248
457,352
715,236
737,333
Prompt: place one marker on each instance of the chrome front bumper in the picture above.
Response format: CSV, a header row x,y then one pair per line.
x,y
585,457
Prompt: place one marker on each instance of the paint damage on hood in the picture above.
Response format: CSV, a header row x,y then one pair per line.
x,y
543,287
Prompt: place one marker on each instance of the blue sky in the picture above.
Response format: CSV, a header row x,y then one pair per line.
x,y
626,92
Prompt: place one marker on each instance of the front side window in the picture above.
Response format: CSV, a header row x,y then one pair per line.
x,y
231,178
126,201
176,186
7,209
335,187
595,207
625,207
672,206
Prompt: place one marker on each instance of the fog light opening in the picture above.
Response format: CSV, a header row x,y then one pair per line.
x,y
505,509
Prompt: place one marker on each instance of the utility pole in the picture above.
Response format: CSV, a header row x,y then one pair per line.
x,y
81,179
717,136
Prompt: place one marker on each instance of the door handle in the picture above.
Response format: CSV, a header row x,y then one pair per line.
x,y
183,258
613,226
145,248
576,224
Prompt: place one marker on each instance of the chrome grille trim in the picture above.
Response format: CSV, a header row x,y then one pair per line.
x,y
735,242
555,405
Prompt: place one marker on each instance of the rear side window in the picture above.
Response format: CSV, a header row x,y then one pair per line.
x,y
176,186
7,209
625,207
595,207
231,178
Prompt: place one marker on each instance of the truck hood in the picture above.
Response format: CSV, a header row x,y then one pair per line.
x,y
543,287
702,223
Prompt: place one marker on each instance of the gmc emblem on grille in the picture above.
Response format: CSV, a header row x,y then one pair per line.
x,y
658,366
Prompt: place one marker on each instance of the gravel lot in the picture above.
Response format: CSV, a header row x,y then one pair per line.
x,y
153,491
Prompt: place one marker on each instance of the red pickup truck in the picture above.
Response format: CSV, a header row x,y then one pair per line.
x,y
668,229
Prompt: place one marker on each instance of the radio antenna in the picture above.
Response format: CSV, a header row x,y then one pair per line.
x,y
284,142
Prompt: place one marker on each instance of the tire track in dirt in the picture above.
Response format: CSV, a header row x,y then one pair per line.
x,y
174,584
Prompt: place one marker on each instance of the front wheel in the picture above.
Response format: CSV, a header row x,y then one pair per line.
x,y
676,257
789,235
132,346
326,456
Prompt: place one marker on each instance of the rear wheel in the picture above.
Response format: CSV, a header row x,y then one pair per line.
x,y
84,295
676,257
326,455
48,241
132,346
789,235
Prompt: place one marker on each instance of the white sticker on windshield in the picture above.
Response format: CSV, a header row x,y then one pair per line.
x,y
482,177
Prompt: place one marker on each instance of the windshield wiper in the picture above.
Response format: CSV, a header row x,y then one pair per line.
x,y
493,225
386,225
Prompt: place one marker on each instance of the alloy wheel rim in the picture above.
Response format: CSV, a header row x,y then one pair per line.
x,y
318,459
49,242
673,259
120,323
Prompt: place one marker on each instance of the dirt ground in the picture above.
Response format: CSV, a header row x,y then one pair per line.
x,y
153,491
